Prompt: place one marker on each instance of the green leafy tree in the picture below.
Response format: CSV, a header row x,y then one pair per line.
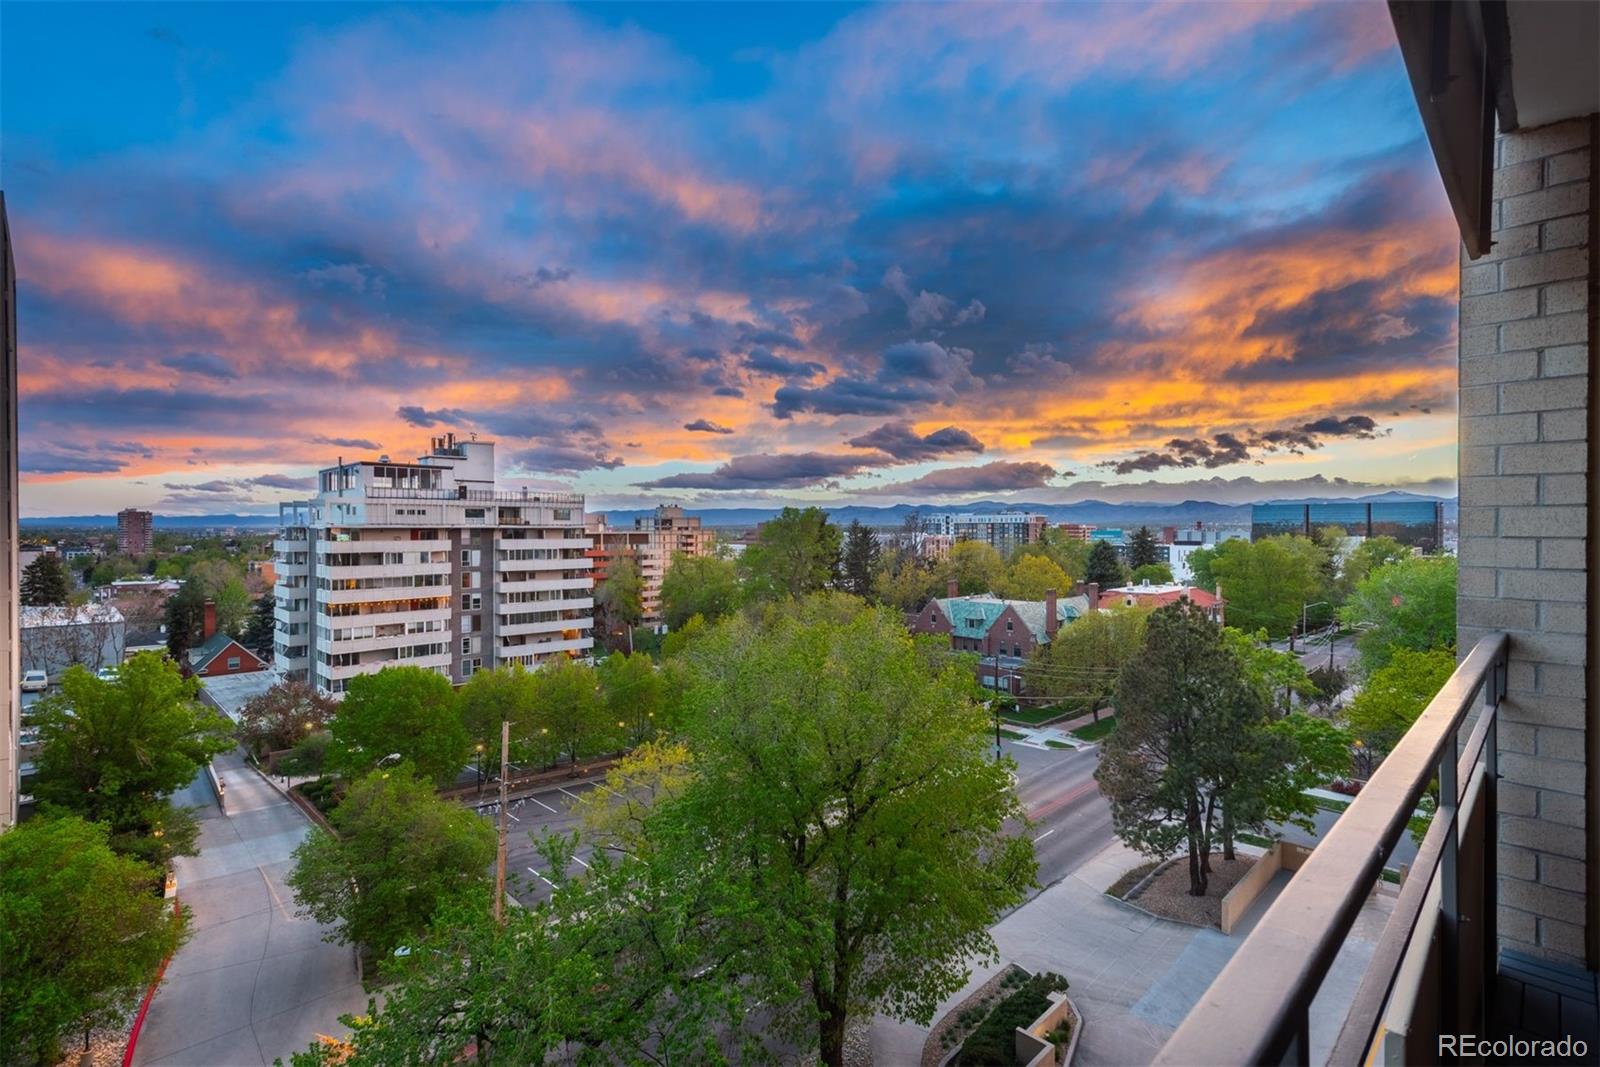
x,y
504,694
233,607
81,934
975,566
1368,556
861,554
1031,577
1086,658
1272,766
619,601
111,751
707,586
1103,566
284,716
567,703
632,688
261,630
1154,573
1277,677
1143,550
399,852
408,712
683,636
1183,708
883,857
1200,561
904,582
797,553
44,582
1395,694
185,621
1410,604
1267,583
1068,553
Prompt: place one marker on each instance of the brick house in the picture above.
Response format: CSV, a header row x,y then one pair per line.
x,y
219,654
1002,632
1148,595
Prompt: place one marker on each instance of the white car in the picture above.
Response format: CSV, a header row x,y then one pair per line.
x,y
35,681
106,674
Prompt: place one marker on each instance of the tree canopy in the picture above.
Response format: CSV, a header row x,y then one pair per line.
x,y
976,567
409,712
283,716
1409,604
619,601
861,554
1087,656
1154,573
1266,583
398,854
569,706
44,582
797,553
1103,566
81,934
1395,694
112,750
632,689
1068,553
707,586
1031,577
1143,550
260,630
503,694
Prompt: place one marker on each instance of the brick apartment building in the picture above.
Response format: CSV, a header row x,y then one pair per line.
x,y
650,542
135,532
1003,632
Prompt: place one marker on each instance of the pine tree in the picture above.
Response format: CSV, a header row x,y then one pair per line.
x,y
1142,548
1104,568
44,582
261,627
861,553
185,621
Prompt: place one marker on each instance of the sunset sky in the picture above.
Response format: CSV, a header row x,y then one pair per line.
x,y
727,255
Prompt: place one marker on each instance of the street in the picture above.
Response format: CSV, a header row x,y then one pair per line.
x,y
1072,821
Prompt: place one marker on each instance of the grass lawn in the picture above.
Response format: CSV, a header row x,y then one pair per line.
x,y
1012,735
1040,716
1053,743
1096,730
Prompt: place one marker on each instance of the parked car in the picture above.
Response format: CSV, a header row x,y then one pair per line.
x,y
106,674
35,681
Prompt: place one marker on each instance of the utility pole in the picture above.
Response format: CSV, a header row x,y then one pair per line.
x,y
500,849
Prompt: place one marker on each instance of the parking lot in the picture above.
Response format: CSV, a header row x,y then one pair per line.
x,y
529,818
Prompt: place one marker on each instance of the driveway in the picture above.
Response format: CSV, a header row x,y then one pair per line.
x,y
254,982
1132,975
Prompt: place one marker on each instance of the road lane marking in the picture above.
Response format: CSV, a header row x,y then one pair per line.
x,y
574,796
580,863
1046,834
541,878
545,806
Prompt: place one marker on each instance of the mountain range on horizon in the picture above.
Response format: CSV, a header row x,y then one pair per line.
x,y
1098,512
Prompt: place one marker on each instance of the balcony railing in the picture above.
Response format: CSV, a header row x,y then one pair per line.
x,y
475,496
1434,965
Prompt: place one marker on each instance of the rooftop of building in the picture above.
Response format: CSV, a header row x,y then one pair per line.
x,y
986,608
1165,592
68,615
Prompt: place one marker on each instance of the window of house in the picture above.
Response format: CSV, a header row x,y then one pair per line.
x,y
233,663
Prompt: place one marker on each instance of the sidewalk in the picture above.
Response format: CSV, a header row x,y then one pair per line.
x,y
254,982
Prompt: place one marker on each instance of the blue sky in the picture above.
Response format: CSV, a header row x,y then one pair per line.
x,y
726,254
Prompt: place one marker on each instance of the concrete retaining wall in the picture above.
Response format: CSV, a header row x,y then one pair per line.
x,y
1282,856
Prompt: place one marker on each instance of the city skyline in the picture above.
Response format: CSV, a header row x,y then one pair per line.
x,y
815,254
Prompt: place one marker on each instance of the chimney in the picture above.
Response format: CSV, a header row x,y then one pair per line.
x,y
952,588
1050,620
1092,591
210,627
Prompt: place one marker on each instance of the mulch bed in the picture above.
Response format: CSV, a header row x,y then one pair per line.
x,y
1167,894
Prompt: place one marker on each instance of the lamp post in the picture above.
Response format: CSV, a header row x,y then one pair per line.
x,y
1303,606
480,768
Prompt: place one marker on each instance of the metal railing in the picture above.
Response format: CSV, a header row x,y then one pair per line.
x,y
471,496
1258,1010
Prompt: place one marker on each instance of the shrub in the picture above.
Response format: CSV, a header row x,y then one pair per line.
x,y
994,1041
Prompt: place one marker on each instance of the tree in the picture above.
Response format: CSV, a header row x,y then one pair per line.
x,y
1086,658
797,553
1154,573
1103,568
81,934
707,586
398,853
632,690
1068,553
410,712
975,566
233,606
1395,694
617,816
1272,766
261,630
861,554
1409,604
1200,561
904,582
1267,583
504,694
1143,549
1275,676
1183,708
619,601
1031,577
112,750
44,582
1369,555
283,716
881,858
185,621
567,703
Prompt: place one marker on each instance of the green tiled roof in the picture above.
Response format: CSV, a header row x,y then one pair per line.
x,y
971,616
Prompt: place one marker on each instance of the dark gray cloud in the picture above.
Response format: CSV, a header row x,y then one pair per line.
x,y
1226,449
764,361
564,459
902,442
706,426
283,481
420,416
998,477
205,364
911,374
97,457
346,442
543,276
768,471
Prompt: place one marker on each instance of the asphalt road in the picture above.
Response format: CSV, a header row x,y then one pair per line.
x,y
1071,821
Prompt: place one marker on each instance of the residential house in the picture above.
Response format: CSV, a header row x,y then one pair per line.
x,y
219,653
1002,632
1152,595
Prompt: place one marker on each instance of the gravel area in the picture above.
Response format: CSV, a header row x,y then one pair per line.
x,y
105,1050
1167,894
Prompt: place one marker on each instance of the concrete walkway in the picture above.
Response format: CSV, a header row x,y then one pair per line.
x,y
1133,976
254,982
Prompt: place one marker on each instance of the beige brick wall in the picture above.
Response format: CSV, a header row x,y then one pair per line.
x,y
1527,333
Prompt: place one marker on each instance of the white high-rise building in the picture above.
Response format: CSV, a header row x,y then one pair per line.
x,y
426,564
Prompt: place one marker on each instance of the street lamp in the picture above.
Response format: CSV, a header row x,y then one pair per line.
x,y
480,768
